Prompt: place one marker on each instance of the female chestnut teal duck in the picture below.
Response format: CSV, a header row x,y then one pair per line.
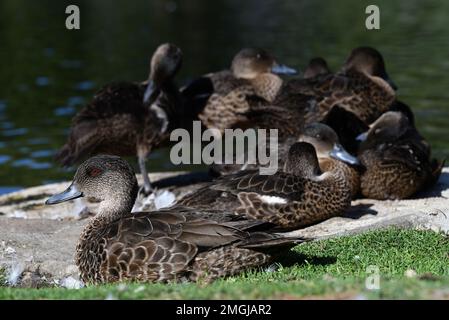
x,y
225,98
316,67
117,245
332,156
127,119
396,157
297,196
362,86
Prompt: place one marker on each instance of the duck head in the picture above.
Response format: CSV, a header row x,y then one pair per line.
x,y
165,63
107,179
251,62
326,143
302,160
389,127
369,61
317,66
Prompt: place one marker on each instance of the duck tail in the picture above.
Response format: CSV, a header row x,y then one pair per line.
x,y
270,241
436,167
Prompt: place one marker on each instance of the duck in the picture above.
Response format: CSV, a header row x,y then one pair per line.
x,y
299,195
347,125
362,86
332,156
168,246
316,67
227,99
130,118
396,158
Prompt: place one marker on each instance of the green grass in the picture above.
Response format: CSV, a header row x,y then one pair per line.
x,y
334,268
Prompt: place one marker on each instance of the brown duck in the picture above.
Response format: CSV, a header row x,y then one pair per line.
x,y
362,87
396,157
228,99
129,119
298,195
316,67
117,245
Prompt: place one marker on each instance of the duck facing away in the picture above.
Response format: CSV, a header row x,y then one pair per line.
x,y
117,245
225,99
297,196
362,86
396,157
128,119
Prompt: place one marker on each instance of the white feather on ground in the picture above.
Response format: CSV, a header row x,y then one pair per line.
x,y
15,271
155,201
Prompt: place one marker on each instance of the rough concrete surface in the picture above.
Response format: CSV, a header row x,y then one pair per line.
x,y
38,242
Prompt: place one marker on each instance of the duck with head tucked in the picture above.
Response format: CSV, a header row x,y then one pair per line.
x,y
171,245
396,157
362,86
238,97
127,118
299,195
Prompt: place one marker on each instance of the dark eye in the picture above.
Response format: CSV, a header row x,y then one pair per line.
x,y
258,56
318,136
94,172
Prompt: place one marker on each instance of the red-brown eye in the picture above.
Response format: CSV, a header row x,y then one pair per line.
x,y
94,172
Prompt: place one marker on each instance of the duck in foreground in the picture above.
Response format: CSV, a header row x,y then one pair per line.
x,y
117,245
128,119
297,196
396,157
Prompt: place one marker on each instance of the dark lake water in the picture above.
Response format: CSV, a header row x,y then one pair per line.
x,y
48,72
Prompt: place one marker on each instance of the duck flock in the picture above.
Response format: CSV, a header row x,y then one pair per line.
x,y
342,135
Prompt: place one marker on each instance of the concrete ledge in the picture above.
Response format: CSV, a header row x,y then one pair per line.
x,y
40,240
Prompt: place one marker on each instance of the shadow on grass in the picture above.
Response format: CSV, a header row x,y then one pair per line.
x,y
293,258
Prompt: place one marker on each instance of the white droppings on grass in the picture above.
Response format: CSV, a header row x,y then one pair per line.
x,y
71,283
410,273
14,273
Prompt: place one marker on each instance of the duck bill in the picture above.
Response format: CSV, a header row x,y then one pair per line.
x,y
283,69
69,194
362,137
339,153
149,91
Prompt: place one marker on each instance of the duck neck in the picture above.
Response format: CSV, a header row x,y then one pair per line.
x,y
114,209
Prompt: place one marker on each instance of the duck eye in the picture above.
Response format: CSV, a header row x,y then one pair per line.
x,y
94,172
258,56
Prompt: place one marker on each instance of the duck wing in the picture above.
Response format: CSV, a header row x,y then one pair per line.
x,y
159,246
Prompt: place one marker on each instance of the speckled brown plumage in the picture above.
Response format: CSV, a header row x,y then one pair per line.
x,y
226,99
361,87
397,159
292,198
169,245
129,119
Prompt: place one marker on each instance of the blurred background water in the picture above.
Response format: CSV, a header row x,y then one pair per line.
x,y
47,72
